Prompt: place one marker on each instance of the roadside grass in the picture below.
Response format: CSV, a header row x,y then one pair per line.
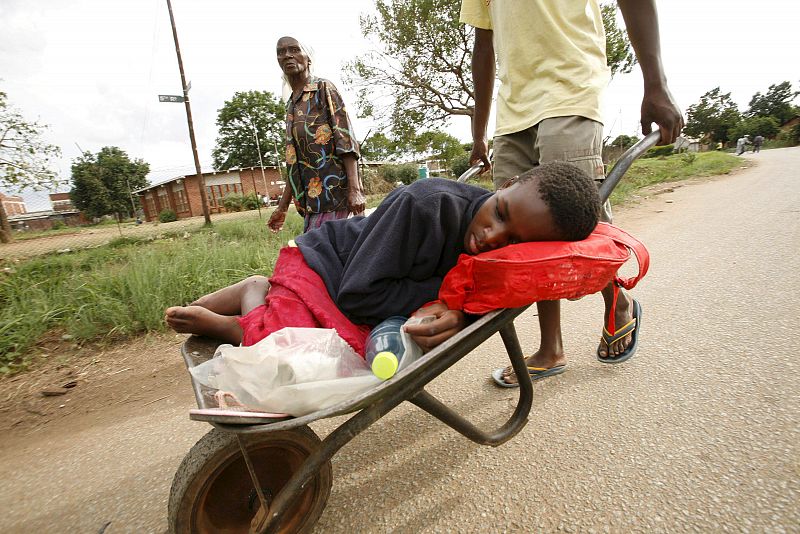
x,y
646,172
120,290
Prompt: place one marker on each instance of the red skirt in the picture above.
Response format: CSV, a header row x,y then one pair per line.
x,y
298,298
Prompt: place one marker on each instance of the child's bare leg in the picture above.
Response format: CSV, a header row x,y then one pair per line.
x,y
204,322
551,347
623,315
237,299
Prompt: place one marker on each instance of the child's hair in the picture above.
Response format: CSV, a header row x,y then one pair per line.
x,y
571,196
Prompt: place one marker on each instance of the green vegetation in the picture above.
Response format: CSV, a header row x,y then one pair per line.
x,y
645,172
405,172
167,215
716,117
239,202
122,289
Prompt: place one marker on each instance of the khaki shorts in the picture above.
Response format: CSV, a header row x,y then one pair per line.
x,y
577,140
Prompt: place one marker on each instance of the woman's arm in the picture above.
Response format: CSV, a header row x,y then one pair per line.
x,y
278,216
356,201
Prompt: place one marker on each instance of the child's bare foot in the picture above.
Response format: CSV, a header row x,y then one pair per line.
x,y
203,322
540,362
622,317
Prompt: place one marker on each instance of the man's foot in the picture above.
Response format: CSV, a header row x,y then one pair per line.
x,y
538,361
623,315
203,322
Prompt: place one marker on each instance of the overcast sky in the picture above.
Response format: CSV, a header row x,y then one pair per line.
x,y
92,69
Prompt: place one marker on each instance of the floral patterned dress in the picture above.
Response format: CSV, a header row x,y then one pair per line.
x,y
318,133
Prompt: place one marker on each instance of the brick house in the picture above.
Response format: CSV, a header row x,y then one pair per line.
x,y
13,205
182,194
61,202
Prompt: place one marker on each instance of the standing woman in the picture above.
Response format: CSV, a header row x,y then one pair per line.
x,y
321,150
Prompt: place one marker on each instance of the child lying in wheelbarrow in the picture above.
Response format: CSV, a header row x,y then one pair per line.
x,y
350,274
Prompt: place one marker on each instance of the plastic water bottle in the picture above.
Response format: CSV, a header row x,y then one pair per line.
x,y
385,347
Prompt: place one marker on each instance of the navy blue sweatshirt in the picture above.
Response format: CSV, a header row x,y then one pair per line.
x,y
393,261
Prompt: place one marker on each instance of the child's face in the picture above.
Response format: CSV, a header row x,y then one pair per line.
x,y
514,214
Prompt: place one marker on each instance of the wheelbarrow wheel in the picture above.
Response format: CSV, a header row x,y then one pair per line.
x,y
212,490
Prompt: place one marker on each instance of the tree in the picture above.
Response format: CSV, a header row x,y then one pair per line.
x,y
379,147
25,159
624,141
712,117
766,127
619,53
776,103
236,145
102,183
419,73
439,145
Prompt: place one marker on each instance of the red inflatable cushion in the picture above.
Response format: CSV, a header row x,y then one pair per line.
x,y
521,274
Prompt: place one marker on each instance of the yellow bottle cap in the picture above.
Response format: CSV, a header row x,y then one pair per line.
x,y
384,366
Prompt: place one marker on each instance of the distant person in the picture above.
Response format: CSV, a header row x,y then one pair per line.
x,y
741,145
757,142
553,70
321,149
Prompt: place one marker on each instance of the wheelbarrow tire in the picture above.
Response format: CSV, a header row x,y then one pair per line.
x,y
212,490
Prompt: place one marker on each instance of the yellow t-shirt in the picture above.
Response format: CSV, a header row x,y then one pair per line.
x,y
551,57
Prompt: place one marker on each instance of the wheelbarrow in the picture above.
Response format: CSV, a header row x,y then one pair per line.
x,y
272,473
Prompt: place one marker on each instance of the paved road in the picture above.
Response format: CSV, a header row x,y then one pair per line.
x,y
697,433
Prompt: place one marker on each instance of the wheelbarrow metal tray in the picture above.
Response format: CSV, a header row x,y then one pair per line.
x,y
402,386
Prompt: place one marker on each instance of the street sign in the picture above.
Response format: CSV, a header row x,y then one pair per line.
x,y
170,98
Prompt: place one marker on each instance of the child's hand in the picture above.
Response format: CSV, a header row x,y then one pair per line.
x,y
445,324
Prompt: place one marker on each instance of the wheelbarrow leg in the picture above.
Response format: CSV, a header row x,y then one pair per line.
x,y
518,419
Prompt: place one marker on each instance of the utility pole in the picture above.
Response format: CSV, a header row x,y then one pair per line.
x,y
260,162
200,180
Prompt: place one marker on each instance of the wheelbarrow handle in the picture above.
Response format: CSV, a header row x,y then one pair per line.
x,y
624,162
471,172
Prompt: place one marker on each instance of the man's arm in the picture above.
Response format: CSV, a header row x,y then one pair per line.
x,y
641,21
483,73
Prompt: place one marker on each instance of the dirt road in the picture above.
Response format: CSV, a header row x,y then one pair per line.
x,y
697,433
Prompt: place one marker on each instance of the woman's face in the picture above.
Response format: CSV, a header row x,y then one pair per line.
x,y
291,58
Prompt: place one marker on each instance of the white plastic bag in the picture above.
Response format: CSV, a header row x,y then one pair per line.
x,y
294,370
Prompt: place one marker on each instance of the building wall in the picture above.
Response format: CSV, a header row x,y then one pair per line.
x,y
13,205
61,202
270,184
183,195
45,220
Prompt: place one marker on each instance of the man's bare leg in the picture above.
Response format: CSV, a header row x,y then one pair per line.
x,y
551,347
237,299
622,315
